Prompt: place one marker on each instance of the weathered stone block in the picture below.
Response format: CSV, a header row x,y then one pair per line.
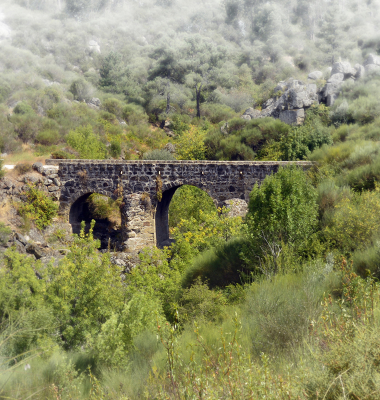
x,y
293,117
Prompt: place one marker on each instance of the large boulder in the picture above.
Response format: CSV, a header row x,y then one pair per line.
x,y
251,113
338,77
330,92
372,59
315,75
343,67
360,71
371,69
93,47
293,117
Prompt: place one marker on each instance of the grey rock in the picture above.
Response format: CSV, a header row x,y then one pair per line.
x,y
7,183
281,87
315,75
35,250
52,176
253,113
37,166
170,147
330,92
372,69
343,67
56,182
20,248
53,188
30,179
360,71
224,129
21,238
95,101
246,117
93,47
372,59
293,117
36,236
338,77
48,182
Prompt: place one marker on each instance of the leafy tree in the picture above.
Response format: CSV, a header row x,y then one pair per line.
x,y
112,72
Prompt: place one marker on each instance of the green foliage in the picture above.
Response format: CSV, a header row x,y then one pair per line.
x,y
2,171
190,145
112,72
197,234
23,108
140,314
199,303
48,137
20,286
88,145
38,207
5,233
81,90
85,290
158,154
313,134
156,279
220,266
283,208
22,168
189,202
354,222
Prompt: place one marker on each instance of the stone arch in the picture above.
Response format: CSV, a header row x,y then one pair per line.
x,y
79,211
162,210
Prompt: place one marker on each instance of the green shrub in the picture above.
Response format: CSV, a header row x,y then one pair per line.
x,y
134,114
216,113
81,90
114,106
355,221
115,149
22,168
220,266
199,303
48,137
158,154
23,108
5,233
26,126
84,140
2,170
283,208
61,155
38,207
367,261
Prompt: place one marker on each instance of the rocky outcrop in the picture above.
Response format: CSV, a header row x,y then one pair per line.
x,y
93,47
293,97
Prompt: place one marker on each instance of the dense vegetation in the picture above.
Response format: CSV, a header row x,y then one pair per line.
x,y
283,304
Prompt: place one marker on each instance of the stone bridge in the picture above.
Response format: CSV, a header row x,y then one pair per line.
x,y
147,187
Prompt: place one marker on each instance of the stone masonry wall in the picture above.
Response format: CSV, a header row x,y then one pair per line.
x,y
141,183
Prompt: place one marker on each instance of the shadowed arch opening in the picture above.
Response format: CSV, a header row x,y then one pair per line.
x,y
106,213
180,202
